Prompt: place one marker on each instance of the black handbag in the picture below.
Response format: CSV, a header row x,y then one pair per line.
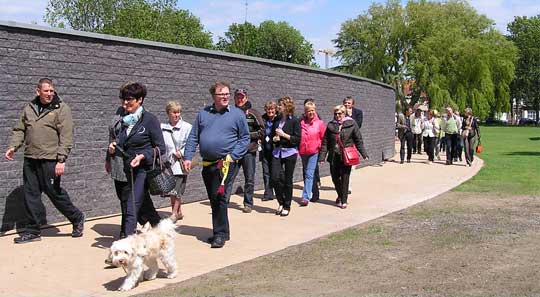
x,y
160,178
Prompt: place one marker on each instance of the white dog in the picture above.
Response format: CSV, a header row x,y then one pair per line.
x,y
137,250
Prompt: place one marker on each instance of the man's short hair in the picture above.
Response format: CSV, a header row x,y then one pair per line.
x,y
219,84
44,80
132,90
349,98
270,105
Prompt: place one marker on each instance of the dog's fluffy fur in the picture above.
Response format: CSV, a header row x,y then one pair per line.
x,y
137,250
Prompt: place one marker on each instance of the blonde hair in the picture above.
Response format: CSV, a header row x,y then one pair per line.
x,y
340,107
288,105
173,106
309,105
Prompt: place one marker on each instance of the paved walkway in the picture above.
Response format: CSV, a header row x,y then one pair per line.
x,y
63,266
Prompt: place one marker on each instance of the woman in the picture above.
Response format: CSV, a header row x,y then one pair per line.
x,y
139,134
439,133
286,137
428,133
312,134
470,130
265,155
175,135
347,130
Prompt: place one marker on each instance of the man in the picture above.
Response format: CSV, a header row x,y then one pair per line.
x,y
256,134
46,129
416,127
405,135
353,112
451,126
222,135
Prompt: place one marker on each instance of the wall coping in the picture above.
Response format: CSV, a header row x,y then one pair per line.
x,y
92,35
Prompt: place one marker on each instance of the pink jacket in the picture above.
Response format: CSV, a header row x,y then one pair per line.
x,y
312,135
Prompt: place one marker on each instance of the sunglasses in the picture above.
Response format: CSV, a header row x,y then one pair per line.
x,y
338,113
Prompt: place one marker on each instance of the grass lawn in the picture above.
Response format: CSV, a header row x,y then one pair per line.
x,y
512,162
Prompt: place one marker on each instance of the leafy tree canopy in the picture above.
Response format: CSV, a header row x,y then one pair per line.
x,y
156,20
449,52
525,33
278,41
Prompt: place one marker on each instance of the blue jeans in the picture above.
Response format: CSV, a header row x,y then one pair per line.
x,y
309,163
248,163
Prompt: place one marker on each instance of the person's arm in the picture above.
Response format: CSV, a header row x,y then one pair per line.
x,y
240,148
360,118
296,136
359,142
64,127
17,138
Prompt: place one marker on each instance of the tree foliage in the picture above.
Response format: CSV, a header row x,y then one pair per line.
x,y
156,20
449,52
278,41
525,33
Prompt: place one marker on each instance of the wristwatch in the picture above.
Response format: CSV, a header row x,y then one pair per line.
x,y
61,159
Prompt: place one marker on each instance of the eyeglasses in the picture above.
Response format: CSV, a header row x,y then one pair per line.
x,y
338,113
222,94
127,99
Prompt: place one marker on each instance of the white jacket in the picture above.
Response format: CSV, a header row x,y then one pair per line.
x,y
180,132
428,128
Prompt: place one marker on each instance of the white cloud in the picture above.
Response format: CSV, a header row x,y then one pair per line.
x,y
503,12
24,11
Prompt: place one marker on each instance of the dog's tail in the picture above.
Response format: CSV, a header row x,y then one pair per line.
x,y
167,226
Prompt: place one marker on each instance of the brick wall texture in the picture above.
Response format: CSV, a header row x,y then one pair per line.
x,y
88,70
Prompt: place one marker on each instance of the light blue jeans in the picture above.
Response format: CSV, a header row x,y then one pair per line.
x,y
309,162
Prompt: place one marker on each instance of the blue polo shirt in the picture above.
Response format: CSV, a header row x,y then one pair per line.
x,y
218,134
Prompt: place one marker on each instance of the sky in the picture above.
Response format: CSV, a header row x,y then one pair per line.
x,y
318,20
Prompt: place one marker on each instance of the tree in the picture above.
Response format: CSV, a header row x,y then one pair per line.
x,y
278,41
156,20
525,33
449,52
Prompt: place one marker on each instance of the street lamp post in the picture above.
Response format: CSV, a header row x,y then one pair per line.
x,y
327,52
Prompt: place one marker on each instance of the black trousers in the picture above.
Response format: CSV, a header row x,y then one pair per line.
x,y
469,147
451,147
417,143
219,202
138,203
407,140
123,192
266,162
429,146
341,174
282,179
39,177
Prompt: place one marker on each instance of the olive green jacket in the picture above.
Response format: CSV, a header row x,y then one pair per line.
x,y
48,135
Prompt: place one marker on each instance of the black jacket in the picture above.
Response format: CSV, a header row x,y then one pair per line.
x,y
358,116
350,135
291,127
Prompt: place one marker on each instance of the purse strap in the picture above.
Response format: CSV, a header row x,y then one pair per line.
x,y
157,156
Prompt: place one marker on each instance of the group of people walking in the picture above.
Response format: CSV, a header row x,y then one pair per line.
x,y
449,132
227,137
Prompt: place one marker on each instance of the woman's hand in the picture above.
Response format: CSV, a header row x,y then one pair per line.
x,y
178,155
280,133
136,161
112,147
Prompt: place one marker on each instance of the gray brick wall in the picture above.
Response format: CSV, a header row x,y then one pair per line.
x,y
89,68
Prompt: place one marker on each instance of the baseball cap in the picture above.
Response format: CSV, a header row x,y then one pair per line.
x,y
240,91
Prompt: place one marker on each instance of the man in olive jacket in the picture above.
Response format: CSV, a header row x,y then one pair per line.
x,y
46,130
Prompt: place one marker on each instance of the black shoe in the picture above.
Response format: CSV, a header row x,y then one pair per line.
x,y
314,199
27,237
78,227
218,242
267,198
408,161
211,238
401,162
122,235
246,209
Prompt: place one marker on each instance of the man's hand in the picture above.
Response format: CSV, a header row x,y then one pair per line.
x,y
136,161
187,165
9,154
59,169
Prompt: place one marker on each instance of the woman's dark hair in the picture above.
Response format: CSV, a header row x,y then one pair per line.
x,y
132,90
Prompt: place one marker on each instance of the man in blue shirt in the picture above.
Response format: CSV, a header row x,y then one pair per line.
x,y
221,132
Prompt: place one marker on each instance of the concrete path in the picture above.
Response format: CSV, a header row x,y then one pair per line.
x,y
63,266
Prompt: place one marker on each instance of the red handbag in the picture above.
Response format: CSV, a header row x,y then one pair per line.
x,y
350,154
479,147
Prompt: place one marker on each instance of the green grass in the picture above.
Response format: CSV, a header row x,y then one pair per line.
x,y
511,162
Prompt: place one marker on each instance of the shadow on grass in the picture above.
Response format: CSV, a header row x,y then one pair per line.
x,y
523,154
534,138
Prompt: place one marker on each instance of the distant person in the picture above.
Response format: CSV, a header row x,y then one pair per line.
x,y
405,136
316,174
139,134
416,128
451,130
459,147
344,128
46,129
428,134
221,132
175,134
439,134
286,136
312,134
256,134
355,113
470,133
265,156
